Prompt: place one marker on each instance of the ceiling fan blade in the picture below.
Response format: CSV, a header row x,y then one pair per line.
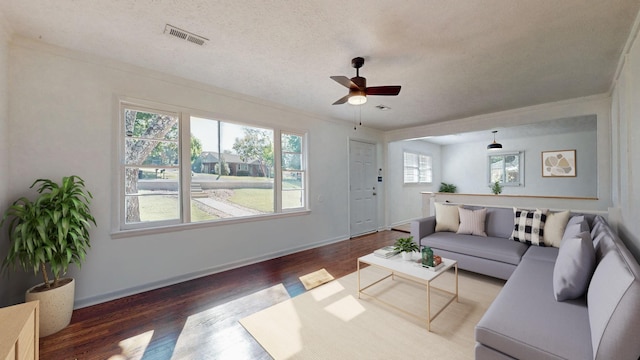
x,y
383,90
342,100
344,81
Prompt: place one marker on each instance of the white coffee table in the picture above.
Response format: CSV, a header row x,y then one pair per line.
x,y
409,270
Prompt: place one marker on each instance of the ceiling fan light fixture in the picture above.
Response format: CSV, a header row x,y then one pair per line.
x,y
358,89
494,145
357,97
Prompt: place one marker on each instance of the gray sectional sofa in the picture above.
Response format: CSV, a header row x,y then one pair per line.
x,y
525,321
491,255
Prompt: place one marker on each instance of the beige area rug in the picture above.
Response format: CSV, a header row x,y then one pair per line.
x,y
211,331
315,279
330,322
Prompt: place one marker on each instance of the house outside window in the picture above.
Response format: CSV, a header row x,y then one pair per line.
x,y
176,168
417,168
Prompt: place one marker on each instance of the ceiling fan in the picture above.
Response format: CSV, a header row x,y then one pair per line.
x,y
358,89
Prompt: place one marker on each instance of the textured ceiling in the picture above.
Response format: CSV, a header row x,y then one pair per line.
x,y
453,58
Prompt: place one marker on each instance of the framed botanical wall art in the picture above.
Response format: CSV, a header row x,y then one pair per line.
x,y
559,163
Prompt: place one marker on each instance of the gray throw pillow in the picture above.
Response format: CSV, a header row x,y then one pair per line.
x,y
574,267
575,226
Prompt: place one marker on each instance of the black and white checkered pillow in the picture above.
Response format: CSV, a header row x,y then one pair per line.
x,y
529,226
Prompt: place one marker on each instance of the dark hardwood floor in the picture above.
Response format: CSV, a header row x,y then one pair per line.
x,y
149,325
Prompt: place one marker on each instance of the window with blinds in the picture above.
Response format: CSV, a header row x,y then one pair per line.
x,y
417,168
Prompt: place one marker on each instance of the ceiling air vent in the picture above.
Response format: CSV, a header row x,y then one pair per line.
x,y
185,35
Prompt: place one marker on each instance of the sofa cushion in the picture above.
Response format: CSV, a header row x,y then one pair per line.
x,y
542,253
614,301
472,221
447,217
574,267
554,227
526,322
491,248
602,238
529,226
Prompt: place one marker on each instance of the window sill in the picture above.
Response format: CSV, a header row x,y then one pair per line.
x,y
122,234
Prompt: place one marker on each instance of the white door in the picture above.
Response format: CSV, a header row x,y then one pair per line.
x,y
362,188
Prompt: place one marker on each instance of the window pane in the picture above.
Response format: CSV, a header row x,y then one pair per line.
x,y
293,192
150,125
410,175
496,175
292,161
158,207
291,143
292,189
231,177
512,169
497,168
410,159
162,153
425,169
154,196
425,176
152,174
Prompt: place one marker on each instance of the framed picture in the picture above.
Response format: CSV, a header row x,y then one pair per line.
x,y
559,163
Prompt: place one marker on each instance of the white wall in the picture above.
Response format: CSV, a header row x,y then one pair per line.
x,y
625,113
465,165
62,113
404,202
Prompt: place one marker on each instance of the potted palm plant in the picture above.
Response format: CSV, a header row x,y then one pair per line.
x,y
406,246
46,236
447,188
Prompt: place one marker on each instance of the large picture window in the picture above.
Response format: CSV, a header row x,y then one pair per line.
x,y
178,168
417,168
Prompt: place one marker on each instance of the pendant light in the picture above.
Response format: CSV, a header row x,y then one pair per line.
x,y
494,145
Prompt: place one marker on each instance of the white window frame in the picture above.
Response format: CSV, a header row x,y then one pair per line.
x,y
427,169
302,170
121,229
520,155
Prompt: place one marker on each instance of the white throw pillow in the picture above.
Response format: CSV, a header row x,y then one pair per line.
x,y
554,227
447,217
472,221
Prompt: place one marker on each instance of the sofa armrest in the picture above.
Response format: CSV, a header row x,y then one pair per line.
x,y
423,227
